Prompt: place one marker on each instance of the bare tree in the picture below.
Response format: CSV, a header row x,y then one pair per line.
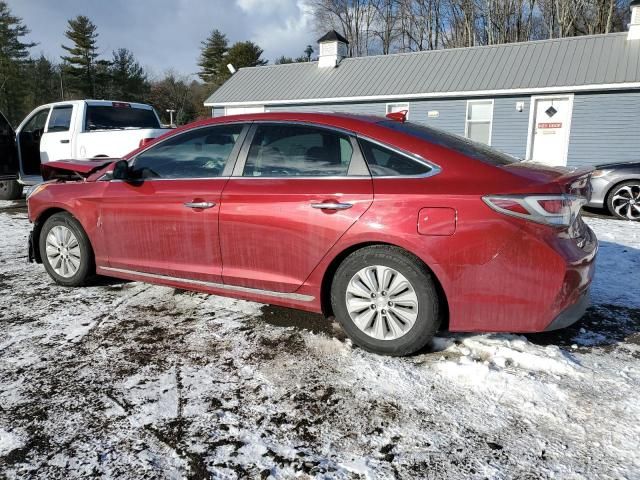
x,y
420,24
461,18
352,18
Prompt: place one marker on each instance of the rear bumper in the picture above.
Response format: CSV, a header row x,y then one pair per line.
x,y
571,314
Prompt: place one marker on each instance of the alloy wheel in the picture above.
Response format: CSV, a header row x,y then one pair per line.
x,y
63,251
626,202
382,302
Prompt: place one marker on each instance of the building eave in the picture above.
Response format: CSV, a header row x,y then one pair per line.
x,y
419,96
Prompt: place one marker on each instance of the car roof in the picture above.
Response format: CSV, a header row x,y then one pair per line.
x,y
340,120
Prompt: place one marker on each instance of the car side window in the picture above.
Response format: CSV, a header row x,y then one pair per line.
x,y
298,151
37,122
200,153
60,119
385,162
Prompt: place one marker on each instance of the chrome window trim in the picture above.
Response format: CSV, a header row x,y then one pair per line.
x,y
435,168
221,286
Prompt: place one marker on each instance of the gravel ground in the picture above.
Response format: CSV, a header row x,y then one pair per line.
x,y
129,380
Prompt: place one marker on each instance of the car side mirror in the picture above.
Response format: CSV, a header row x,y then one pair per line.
x,y
121,170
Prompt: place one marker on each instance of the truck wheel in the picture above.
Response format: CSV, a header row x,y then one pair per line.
x,y
10,190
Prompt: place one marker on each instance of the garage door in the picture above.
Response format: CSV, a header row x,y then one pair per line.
x,y
241,110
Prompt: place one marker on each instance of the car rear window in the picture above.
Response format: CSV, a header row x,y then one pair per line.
x,y
107,117
459,144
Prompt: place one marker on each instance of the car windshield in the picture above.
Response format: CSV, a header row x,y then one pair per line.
x,y
462,145
107,117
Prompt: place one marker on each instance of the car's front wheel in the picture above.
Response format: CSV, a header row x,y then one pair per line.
x,y
624,200
386,300
10,190
66,251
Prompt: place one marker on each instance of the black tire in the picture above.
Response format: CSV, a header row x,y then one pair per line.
x,y
632,186
10,190
86,268
428,316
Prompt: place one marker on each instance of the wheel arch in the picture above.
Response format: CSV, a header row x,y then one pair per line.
x,y
37,228
327,279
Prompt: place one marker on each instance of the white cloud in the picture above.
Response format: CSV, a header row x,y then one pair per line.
x,y
166,34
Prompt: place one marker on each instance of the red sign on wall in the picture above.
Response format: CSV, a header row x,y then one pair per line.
x,y
550,125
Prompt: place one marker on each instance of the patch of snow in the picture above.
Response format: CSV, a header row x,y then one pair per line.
x,y
128,380
10,441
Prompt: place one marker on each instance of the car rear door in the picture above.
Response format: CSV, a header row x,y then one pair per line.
x,y
8,151
295,191
164,220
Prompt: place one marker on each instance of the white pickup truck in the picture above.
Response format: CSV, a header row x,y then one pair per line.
x,y
79,129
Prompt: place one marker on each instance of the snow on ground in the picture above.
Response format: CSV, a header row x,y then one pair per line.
x,y
129,380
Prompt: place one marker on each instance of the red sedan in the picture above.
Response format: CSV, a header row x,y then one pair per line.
x,y
395,228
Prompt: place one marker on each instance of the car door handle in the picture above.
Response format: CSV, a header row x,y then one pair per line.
x,y
199,204
64,141
332,206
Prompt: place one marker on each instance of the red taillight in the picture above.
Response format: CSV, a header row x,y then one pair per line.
x,y
553,206
510,205
120,105
556,210
144,141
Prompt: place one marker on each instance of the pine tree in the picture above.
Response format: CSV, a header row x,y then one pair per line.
x,y
43,82
212,62
81,63
128,79
13,60
243,54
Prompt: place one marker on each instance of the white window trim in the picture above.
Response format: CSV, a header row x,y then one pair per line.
x,y
467,121
532,120
398,104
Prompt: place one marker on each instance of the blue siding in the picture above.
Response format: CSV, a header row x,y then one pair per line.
x,y
605,128
510,127
217,112
604,125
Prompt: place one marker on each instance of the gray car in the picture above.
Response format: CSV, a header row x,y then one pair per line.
x,y
616,187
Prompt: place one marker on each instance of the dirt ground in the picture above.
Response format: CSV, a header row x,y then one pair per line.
x,y
129,380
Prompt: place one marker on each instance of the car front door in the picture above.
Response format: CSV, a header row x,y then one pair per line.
x,y
29,135
164,219
295,191
56,140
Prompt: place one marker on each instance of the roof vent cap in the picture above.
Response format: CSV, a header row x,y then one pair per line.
x,y
634,27
333,48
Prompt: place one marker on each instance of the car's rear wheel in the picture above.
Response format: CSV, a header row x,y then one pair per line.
x,y
624,200
386,300
10,190
66,251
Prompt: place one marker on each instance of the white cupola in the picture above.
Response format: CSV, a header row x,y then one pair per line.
x,y
634,27
333,48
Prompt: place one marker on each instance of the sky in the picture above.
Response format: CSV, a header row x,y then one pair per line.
x,y
166,34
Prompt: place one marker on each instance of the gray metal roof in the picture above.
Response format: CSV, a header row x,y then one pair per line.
x,y
577,63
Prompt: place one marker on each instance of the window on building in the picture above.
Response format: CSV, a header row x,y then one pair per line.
x,y
479,121
398,107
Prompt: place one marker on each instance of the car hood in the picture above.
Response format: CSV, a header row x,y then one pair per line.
x,y
74,169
